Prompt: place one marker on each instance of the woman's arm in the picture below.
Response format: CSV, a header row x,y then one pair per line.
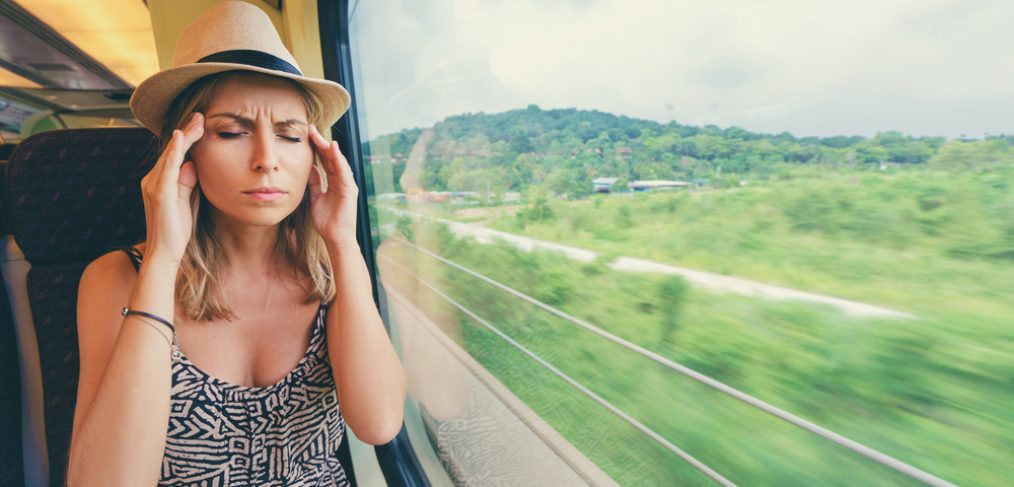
x,y
122,412
369,377
123,393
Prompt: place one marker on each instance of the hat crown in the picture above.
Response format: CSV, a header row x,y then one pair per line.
x,y
231,36
230,26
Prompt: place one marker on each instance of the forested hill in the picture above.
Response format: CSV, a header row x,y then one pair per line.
x,y
563,150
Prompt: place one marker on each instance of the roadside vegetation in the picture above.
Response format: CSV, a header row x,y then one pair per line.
x,y
924,226
925,391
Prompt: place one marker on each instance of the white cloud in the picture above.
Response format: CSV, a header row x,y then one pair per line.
x,y
861,66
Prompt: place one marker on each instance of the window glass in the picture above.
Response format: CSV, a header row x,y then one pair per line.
x,y
764,242
12,115
87,121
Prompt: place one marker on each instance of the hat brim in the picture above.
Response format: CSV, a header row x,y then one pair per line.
x,y
152,97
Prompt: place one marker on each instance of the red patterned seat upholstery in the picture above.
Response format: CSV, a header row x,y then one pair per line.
x,y
72,195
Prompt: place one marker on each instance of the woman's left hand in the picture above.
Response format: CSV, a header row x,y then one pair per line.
x,y
333,212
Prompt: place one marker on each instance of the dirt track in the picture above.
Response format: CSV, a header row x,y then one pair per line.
x,y
629,264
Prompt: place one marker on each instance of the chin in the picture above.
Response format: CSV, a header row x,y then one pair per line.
x,y
257,216
263,217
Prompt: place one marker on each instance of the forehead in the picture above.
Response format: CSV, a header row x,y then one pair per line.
x,y
251,93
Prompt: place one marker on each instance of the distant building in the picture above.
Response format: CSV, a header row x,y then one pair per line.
x,y
511,196
656,184
602,185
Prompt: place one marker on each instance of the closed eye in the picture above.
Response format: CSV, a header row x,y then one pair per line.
x,y
233,135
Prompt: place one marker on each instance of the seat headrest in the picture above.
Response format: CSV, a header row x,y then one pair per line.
x,y
5,151
75,194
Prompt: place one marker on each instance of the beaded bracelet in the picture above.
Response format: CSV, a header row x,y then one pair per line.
x,y
174,346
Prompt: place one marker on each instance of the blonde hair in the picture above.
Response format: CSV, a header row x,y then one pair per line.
x,y
299,246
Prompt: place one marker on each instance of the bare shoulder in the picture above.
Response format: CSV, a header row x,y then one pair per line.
x,y
104,290
110,272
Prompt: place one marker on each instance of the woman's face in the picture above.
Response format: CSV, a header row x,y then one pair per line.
x,y
255,158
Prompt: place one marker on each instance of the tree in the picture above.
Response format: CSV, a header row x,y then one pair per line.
x,y
975,155
520,143
538,211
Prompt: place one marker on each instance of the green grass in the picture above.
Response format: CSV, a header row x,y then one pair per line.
x,y
917,240
935,392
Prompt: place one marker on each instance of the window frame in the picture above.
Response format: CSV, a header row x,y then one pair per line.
x,y
397,459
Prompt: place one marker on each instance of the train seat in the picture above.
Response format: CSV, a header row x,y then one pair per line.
x,y
72,195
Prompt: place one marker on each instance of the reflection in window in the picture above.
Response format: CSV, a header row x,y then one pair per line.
x,y
763,243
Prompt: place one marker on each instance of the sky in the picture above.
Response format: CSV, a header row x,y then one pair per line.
x,y
826,67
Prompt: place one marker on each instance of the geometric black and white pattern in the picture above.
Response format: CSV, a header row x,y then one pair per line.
x,y
223,434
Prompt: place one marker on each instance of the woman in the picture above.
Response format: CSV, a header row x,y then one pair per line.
x,y
246,314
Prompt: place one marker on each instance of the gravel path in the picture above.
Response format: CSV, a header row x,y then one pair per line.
x,y
630,264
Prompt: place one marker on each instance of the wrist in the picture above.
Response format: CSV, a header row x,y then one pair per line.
x,y
159,263
159,253
342,246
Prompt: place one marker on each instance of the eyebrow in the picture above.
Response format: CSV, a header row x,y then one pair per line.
x,y
247,122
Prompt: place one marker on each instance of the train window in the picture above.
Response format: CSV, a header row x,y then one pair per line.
x,y
735,242
12,116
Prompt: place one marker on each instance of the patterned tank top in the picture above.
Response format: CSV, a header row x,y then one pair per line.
x,y
288,433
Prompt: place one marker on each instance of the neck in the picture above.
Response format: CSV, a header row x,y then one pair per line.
x,y
249,249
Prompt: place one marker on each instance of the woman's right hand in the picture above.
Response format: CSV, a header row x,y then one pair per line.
x,y
166,190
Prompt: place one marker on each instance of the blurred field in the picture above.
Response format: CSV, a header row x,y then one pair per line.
x,y
935,392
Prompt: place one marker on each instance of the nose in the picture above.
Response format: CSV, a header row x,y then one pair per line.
x,y
264,157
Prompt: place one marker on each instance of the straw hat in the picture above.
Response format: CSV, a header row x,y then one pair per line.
x,y
230,36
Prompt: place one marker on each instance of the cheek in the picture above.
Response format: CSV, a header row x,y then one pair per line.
x,y
214,161
203,155
300,179
209,173
298,155
300,161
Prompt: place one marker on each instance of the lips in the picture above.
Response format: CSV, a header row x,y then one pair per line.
x,y
266,194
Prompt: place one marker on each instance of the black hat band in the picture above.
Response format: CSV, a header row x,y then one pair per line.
x,y
249,57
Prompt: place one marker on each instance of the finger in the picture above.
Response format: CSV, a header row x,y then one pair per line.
x,y
342,166
183,138
337,159
323,147
318,140
153,179
168,165
333,161
191,133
